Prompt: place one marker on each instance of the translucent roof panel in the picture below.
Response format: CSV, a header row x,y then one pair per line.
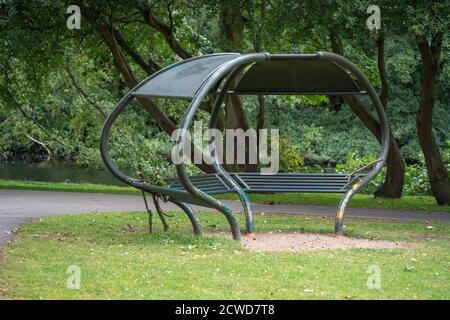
x,y
183,79
296,76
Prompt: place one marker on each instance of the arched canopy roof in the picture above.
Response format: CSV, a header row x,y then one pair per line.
x,y
182,80
285,74
277,74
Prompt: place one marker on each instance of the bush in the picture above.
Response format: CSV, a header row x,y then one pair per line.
x,y
416,176
416,179
290,160
354,163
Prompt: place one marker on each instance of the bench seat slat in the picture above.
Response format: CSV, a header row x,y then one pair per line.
x,y
282,182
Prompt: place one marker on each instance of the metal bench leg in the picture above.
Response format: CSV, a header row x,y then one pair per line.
x,y
248,214
236,233
196,226
230,218
339,222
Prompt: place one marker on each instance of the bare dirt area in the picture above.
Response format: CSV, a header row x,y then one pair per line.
x,y
297,242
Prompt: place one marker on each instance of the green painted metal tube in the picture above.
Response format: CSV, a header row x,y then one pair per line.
x,y
196,226
346,64
216,162
207,86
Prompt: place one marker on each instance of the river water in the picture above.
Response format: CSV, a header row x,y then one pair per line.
x,y
54,171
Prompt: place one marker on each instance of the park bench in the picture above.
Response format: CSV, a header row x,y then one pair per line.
x,y
212,183
259,74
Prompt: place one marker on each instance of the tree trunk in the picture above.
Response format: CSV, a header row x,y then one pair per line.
x,y
395,173
261,113
233,31
395,167
232,26
166,30
392,186
235,119
258,29
436,169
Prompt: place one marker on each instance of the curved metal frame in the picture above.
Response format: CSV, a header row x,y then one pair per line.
x,y
215,157
343,62
120,107
196,225
231,70
209,84
339,220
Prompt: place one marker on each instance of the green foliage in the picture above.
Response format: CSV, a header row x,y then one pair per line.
x,y
416,177
320,136
39,98
354,163
290,160
427,18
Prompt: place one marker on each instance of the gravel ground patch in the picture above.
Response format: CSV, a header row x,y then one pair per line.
x,y
297,242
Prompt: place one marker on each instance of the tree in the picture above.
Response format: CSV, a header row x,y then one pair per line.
x,y
428,22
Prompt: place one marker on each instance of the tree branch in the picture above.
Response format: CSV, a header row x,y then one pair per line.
x,y
42,144
149,67
166,31
81,91
11,98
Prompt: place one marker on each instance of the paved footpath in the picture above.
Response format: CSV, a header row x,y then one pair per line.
x,y
21,206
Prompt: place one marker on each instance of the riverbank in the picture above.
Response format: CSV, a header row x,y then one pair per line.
x,y
412,203
55,171
65,186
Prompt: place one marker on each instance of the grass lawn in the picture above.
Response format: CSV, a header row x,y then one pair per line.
x,y
66,186
327,199
116,263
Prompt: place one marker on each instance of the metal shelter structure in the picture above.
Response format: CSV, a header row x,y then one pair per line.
x,y
225,74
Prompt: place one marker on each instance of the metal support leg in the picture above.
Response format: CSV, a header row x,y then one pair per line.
x,y
220,206
248,214
232,222
339,221
215,157
196,226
